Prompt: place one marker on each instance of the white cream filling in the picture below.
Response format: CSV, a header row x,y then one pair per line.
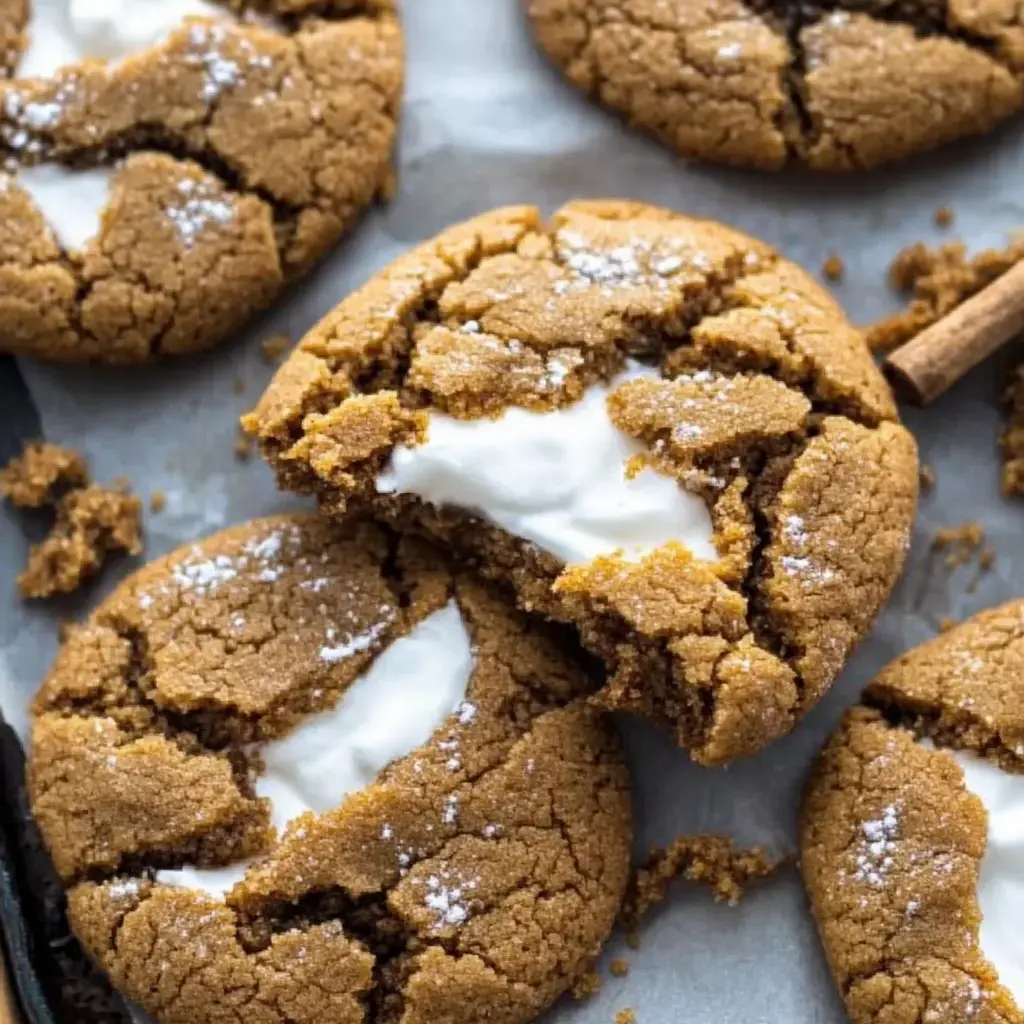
x,y
72,201
556,478
392,709
1001,881
62,32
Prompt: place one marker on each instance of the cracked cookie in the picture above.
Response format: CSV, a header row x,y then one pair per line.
x,y
299,773
833,84
169,168
911,843
653,427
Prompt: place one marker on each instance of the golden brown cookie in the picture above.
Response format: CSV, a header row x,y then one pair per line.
x,y
473,877
745,388
155,203
835,84
911,843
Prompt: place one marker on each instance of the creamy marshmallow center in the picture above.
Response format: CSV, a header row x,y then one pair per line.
x,y
70,200
62,32
395,707
1001,881
555,478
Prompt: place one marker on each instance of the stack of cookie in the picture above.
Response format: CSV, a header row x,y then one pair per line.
x,y
360,766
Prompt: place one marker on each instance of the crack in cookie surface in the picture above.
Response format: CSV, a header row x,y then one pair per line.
x,y
837,85
483,869
757,364
894,836
249,153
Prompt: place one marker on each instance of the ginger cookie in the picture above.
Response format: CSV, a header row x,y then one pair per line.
x,y
170,167
834,84
652,427
911,840
300,773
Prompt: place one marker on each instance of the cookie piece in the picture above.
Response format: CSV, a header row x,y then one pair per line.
x,y
652,427
911,845
836,85
42,473
158,197
298,773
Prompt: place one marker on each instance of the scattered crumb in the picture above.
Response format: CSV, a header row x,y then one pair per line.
x,y
588,985
1012,440
937,280
41,474
928,478
91,523
711,860
274,348
626,1016
238,386
944,216
833,268
987,559
619,968
157,501
959,542
243,446
389,187
946,623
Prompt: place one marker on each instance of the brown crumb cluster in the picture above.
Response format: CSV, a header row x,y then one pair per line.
x,y
273,349
835,85
937,281
91,522
892,841
768,407
240,154
1012,440
476,878
626,1016
706,859
833,268
962,543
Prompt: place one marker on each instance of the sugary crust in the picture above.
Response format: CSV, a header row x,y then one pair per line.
x,y
891,840
836,86
811,484
249,152
141,758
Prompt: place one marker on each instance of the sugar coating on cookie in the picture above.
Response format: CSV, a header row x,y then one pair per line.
x,y
911,840
297,772
652,427
173,165
835,85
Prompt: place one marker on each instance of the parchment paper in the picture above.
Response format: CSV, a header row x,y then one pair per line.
x,y
487,122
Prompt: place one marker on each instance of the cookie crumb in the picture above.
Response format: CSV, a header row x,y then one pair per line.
x,y
946,623
944,216
1012,439
711,860
588,985
833,268
937,281
960,542
274,349
243,446
238,386
92,523
928,477
619,967
627,1016
157,501
41,474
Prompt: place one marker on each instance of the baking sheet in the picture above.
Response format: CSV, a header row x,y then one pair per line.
x,y
487,122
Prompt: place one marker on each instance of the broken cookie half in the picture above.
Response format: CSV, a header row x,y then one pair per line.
x,y
651,427
172,166
297,773
912,843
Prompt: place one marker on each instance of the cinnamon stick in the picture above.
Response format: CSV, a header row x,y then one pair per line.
x,y
940,355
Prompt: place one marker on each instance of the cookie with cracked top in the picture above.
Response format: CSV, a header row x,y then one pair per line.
x,y
303,773
837,85
651,427
911,843
165,178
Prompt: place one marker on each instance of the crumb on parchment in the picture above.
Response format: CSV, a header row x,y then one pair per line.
x,y
626,1016
959,542
42,473
588,985
273,349
929,478
944,216
619,967
833,268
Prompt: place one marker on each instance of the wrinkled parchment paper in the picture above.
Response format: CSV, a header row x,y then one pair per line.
x,y
487,122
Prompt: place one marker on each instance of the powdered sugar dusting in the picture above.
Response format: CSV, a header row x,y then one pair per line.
x,y
199,205
353,644
447,896
873,856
